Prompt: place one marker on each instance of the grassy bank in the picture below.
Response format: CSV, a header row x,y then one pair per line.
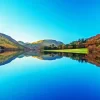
x,y
81,50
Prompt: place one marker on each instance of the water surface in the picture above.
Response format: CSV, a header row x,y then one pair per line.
x,y
49,76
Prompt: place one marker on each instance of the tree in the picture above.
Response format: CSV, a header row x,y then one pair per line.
x,y
60,47
52,45
63,46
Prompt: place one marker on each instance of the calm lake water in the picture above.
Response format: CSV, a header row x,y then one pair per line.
x,y
50,77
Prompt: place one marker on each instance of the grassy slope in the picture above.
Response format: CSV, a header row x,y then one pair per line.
x,y
81,50
8,44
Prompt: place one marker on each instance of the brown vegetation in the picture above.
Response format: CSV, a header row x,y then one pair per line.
x,y
93,43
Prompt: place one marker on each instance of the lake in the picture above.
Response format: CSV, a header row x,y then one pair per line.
x,y
49,76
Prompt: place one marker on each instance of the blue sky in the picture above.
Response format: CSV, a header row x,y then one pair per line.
x,y
64,20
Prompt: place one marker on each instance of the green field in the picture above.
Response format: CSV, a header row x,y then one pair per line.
x,y
81,50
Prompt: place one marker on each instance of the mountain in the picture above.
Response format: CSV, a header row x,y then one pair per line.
x,y
27,45
8,42
48,42
38,45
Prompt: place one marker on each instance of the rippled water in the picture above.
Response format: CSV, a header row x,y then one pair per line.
x,y
49,76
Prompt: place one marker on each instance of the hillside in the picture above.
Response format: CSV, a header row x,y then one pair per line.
x,y
48,42
39,45
93,43
8,42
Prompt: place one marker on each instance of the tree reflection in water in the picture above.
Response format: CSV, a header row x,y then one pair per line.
x,y
8,56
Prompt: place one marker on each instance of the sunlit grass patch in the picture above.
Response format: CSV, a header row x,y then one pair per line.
x,y
81,50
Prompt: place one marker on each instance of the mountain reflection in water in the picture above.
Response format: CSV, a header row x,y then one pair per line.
x,y
8,56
